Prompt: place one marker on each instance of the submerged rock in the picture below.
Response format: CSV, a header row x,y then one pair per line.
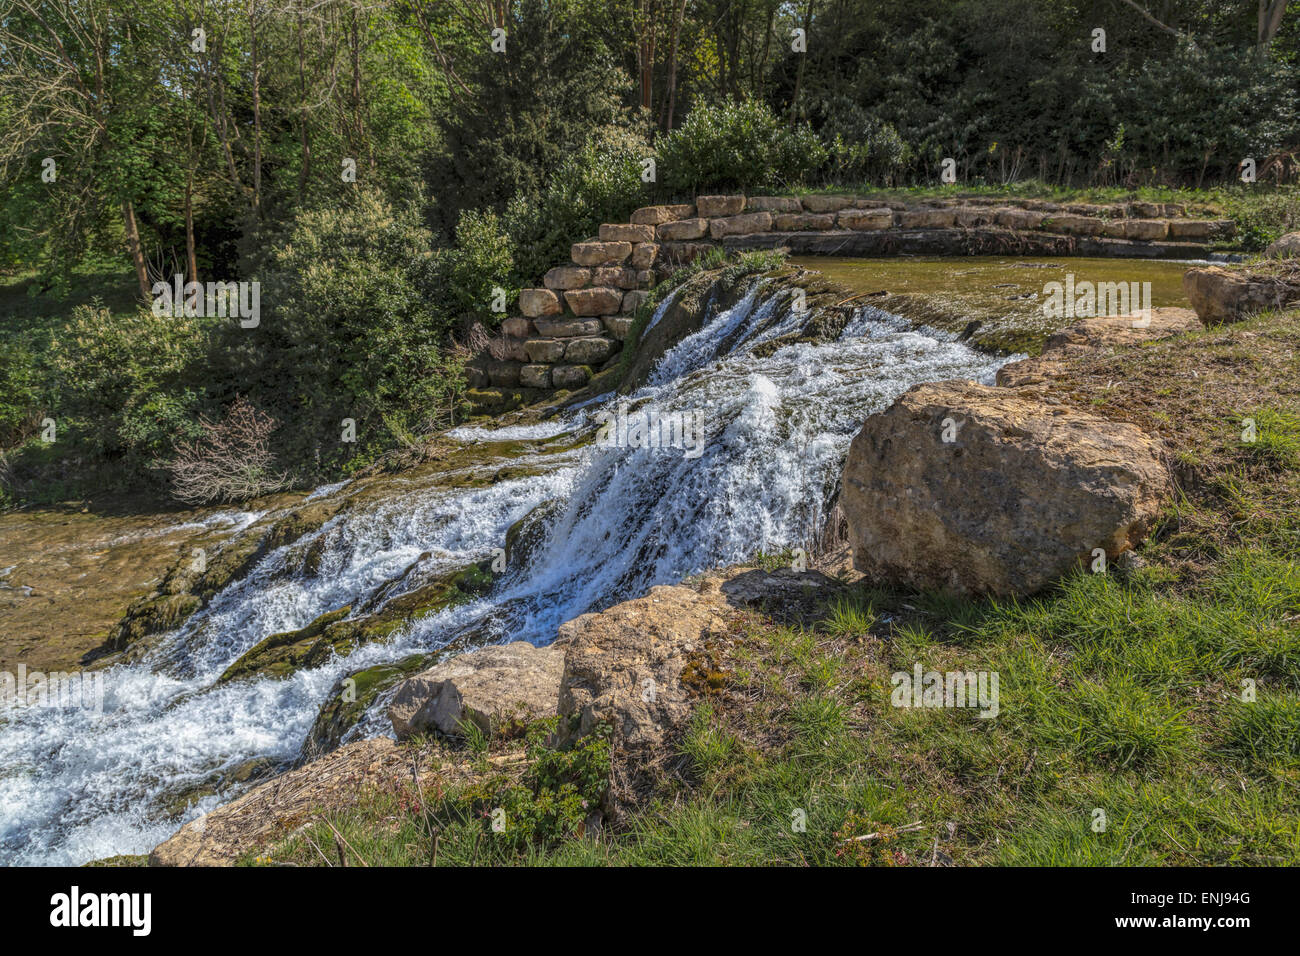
x,y
492,687
978,490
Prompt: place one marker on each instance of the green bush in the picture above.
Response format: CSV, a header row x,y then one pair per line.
x,y
351,329
598,183
481,260
120,383
737,146
19,392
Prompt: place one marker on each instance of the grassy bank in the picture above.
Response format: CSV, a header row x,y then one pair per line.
x,y
1123,694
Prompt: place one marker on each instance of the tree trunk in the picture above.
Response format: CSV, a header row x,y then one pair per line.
x,y
257,109
672,63
133,246
191,258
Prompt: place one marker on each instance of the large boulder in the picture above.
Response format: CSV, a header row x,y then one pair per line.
x,y
1285,247
978,490
624,666
492,687
1229,295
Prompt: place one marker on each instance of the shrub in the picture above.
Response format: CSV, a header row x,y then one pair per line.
x,y
352,328
119,382
231,461
19,393
481,260
598,183
737,145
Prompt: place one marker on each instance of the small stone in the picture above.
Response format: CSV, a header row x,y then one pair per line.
x,y
599,253
627,232
712,207
535,302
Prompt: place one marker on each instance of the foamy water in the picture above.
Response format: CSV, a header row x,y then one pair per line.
x,y
76,785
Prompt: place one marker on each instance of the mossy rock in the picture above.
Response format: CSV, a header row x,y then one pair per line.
x,y
523,537
348,702
281,654
302,521
333,633
154,614
245,772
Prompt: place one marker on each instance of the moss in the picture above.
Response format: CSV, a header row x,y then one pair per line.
x,y
281,654
125,859
352,696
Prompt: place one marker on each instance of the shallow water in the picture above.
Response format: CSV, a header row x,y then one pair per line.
x,y
1005,293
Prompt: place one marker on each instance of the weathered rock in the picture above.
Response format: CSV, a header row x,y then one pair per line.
x,y
589,351
627,232
535,302
624,666
1140,229
742,225
683,229
271,810
643,255
826,203
619,325
517,327
1019,218
1024,493
658,215
567,277
864,220
680,253
1200,228
712,207
927,219
599,253
503,373
566,328
974,217
1227,295
349,699
632,301
538,376
773,204
1285,247
512,348
570,376
542,350
1122,330
1099,332
493,687
1075,225
804,222
616,277
598,300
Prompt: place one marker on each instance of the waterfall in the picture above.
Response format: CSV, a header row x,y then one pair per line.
x,y
773,426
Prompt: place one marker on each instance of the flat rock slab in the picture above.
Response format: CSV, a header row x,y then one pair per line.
x,y
978,490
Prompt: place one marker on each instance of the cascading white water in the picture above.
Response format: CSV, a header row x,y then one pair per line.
x,y
75,785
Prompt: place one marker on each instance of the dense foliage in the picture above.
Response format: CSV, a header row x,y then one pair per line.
x,y
386,169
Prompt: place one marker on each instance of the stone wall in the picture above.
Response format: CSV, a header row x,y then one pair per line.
x,y
574,325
